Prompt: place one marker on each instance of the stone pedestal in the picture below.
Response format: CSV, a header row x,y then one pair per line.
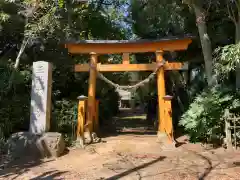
x,y
51,144
26,144
41,97
22,144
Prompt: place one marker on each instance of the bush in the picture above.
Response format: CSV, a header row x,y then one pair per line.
x,y
204,120
15,104
108,105
64,119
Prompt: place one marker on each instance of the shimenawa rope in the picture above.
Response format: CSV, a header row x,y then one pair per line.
x,y
132,87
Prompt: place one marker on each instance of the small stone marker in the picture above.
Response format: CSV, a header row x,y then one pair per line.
x,y
41,97
51,144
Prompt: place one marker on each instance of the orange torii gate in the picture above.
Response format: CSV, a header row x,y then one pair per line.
x,y
98,47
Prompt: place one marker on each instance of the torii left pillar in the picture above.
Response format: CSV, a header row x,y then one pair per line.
x,y
91,103
161,93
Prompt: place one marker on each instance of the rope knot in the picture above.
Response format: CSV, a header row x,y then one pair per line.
x,y
92,66
160,64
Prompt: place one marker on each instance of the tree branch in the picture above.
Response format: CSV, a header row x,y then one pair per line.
x,y
231,14
209,6
237,3
16,65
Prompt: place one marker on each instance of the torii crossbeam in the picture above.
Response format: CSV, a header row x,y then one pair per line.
x,y
98,47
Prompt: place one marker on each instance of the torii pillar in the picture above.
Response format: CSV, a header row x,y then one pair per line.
x,y
161,93
91,102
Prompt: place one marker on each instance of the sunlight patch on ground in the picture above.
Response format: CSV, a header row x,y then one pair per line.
x,y
134,117
140,117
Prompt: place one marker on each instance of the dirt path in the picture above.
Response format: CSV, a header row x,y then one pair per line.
x,y
131,157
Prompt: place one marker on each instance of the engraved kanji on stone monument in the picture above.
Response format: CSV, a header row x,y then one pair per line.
x,y
41,97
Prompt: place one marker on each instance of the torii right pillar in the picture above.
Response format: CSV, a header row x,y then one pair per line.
x,y
165,128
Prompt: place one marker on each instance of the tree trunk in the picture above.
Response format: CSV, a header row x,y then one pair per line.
x,y
16,65
205,40
237,40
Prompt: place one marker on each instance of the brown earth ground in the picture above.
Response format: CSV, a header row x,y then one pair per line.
x,y
131,156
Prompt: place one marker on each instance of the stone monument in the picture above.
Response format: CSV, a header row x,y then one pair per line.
x,y
38,142
41,97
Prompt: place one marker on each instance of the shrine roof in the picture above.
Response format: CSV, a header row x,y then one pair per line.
x,y
171,38
136,45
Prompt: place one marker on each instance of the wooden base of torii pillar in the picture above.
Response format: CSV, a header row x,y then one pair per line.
x,y
95,48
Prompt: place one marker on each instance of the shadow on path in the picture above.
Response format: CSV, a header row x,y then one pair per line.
x,y
135,169
18,167
50,175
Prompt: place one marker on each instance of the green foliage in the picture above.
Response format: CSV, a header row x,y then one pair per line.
x,y
226,60
61,3
108,104
4,17
197,84
64,119
14,106
204,120
151,19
